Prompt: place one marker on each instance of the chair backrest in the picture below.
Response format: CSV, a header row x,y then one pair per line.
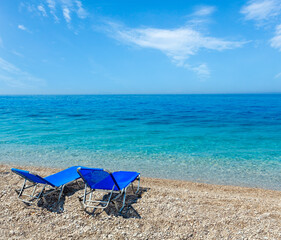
x,y
97,178
31,177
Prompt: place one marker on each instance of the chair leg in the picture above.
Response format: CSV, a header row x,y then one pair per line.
x,y
21,190
89,203
125,192
124,201
90,198
34,189
84,197
42,191
138,185
61,191
33,196
138,188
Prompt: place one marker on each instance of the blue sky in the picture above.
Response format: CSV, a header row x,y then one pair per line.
x,y
116,47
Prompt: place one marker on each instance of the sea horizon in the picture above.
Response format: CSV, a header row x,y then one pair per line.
x,y
114,94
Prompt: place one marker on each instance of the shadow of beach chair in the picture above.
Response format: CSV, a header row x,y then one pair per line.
x,y
50,184
112,183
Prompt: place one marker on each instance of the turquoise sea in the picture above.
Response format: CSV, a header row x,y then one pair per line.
x,y
221,139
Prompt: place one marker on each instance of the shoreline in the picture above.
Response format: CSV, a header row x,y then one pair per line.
x,y
27,166
167,209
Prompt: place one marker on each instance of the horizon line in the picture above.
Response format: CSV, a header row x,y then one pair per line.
x,y
104,94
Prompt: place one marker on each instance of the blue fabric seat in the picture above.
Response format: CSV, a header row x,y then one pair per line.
x,y
31,177
57,181
100,179
125,178
63,177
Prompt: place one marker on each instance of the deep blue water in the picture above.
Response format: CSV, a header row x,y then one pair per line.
x,y
222,139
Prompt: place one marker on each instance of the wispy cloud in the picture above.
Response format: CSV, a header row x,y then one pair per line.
x,y
67,8
17,53
265,12
204,11
261,10
81,12
58,9
202,71
275,42
70,7
42,10
278,75
52,8
66,14
178,44
22,27
15,77
201,16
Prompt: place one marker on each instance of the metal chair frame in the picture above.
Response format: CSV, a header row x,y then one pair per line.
x,y
89,203
46,190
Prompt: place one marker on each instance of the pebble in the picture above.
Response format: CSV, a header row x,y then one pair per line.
x,y
168,210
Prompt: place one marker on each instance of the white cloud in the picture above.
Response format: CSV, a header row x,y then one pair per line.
x,y
51,4
29,7
42,10
201,16
265,12
58,9
81,12
15,77
275,42
278,75
261,10
202,71
72,6
22,27
52,9
204,11
66,14
178,44
6,66
17,53
68,8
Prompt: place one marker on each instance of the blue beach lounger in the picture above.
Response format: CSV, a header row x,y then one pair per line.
x,y
102,180
54,182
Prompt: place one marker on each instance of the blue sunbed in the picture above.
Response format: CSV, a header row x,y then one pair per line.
x,y
54,182
102,180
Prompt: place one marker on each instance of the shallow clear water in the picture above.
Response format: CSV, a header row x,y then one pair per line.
x,y
222,139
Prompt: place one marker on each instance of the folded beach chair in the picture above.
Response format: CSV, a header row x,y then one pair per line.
x,y
55,182
102,180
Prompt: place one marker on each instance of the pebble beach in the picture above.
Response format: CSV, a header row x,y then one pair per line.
x,y
166,209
